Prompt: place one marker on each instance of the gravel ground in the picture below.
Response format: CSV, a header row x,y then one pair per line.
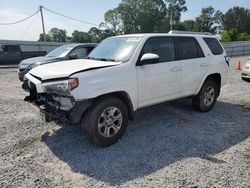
x,y
167,145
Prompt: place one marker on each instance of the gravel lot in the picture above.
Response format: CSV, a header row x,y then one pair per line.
x,y
167,145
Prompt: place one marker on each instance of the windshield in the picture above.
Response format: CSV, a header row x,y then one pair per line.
x,y
61,51
115,49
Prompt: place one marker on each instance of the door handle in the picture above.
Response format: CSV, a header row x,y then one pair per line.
x,y
175,69
204,65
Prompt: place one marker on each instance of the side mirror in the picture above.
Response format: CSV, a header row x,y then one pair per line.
x,y
149,58
73,56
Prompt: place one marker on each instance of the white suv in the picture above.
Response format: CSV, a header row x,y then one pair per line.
x,y
126,73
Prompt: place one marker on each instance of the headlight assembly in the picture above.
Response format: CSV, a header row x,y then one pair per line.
x,y
61,87
32,66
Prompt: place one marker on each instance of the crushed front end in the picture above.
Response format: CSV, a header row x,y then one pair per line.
x,y
54,100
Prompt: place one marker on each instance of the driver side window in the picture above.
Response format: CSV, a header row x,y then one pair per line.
x,y
162,46
80,52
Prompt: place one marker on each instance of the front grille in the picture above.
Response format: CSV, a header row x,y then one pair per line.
x,y
21,70
244,74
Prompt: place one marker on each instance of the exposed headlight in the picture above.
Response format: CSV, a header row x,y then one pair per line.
x,y
61,87
22,66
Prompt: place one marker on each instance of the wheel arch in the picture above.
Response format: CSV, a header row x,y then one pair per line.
x,y
216,77
122,95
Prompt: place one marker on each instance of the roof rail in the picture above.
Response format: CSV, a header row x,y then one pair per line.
x,y
188,32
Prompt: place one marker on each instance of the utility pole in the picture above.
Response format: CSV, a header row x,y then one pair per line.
x,y
172,21
44,34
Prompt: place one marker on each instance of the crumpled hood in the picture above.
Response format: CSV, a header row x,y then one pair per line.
x,y
64,69
32,60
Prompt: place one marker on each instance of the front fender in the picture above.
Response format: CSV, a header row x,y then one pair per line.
x,y
107,90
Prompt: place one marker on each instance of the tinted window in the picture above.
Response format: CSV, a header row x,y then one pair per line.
x,y
90,49
162,46
214,46
80,52
188,48
11,48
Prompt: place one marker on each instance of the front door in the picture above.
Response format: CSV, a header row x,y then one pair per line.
x,y
160,81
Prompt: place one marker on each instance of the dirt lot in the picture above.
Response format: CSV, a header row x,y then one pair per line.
x,y
167,145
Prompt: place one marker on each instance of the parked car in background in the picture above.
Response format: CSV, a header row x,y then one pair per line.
x,y
13,54
65,52
127,73
246,71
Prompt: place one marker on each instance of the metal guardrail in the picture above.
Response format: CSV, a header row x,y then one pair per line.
x,y
237,48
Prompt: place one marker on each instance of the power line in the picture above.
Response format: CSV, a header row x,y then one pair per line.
x,y
75,19
11,23
28,27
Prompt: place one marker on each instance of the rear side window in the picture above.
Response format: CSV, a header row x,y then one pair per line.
x,y
162,46
13,48
188,48
214,46
81,52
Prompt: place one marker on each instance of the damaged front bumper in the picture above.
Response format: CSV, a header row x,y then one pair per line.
x,y
56,107
53,107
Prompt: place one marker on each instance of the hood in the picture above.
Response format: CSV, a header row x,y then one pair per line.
x,y
32,60
64,69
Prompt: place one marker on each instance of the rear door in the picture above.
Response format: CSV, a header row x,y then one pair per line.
x,y
194,65
161,81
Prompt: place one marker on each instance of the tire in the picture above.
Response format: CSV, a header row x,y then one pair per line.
x,y
106,121
245,79
205,100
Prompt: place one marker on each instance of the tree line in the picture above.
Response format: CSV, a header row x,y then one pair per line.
x,y
160,16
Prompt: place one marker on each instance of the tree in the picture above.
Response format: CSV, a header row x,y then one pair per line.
x,y
234,35
175,8
47,37
98,34
189,25
207,20
113,21
80,36
237,17
58,35
140,16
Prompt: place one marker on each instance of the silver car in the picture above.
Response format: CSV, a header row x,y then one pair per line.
x,y
246,71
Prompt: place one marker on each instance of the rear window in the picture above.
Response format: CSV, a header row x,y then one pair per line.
x,y
188,48
214,46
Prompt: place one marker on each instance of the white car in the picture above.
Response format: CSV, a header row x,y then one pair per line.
x,y
127,73
246,71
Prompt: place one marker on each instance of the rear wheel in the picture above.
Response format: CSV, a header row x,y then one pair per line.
x,y
106,121
207,97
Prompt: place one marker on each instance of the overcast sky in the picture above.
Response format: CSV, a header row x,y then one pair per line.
x,y
88,10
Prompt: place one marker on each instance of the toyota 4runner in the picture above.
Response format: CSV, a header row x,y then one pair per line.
x,y
127,73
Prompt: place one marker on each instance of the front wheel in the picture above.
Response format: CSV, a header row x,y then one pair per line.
x,y
106,121
207,97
